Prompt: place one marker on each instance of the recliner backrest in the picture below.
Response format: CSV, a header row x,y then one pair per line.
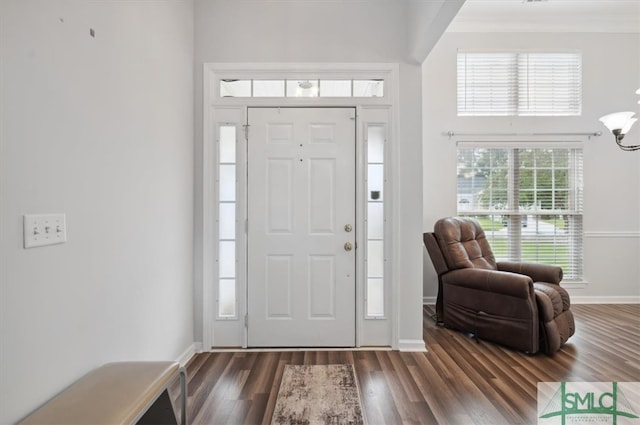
x,y
464,244
435,253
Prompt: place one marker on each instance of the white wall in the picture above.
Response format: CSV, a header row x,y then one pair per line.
x,y
611,75
100,129
427,21
319,31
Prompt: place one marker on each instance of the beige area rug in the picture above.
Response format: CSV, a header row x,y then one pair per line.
x,y
311,395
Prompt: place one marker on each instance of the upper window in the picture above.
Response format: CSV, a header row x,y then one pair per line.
x,y
519,84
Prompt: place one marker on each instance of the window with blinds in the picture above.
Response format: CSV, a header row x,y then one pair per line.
x,y
519,84
528,201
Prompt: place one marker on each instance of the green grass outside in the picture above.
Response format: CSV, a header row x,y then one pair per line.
x,y
532,251
489,225
537,252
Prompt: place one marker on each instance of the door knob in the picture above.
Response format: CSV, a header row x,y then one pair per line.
x,y
348,246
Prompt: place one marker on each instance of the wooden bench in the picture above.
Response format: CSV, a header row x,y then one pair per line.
x,y
117,393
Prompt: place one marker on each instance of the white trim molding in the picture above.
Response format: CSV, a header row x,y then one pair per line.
x,y
580,299
631,234
412,345
232,110
574,285
429,300
187,354
588,299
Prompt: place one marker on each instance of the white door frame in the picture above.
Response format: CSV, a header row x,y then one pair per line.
x,y
231,332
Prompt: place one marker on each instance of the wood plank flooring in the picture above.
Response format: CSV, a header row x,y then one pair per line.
x,y
459,381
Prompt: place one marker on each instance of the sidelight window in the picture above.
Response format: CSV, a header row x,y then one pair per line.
x,y
375,222
226,182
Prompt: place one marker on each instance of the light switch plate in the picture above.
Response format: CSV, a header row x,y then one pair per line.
x,y
44,229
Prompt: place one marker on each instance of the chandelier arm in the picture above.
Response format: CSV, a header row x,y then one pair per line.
x,y
628,148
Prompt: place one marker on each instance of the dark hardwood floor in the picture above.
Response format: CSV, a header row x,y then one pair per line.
x,y
459,381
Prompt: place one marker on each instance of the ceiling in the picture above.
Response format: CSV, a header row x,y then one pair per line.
x,y
548,16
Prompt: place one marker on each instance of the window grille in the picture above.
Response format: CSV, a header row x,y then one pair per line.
x,y
528,200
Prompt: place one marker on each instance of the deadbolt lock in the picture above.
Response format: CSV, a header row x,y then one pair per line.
x,y
348,228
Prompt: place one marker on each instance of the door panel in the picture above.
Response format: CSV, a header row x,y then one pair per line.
x,y
322,286
322,196
301,280
279,190
278,285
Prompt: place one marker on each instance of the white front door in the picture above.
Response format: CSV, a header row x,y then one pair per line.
x,y
301,228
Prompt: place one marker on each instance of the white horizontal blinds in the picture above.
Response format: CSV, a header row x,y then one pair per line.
x,y
528,200
550,198
487,84
549,84
519,84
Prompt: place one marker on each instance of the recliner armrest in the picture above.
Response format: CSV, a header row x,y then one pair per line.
x,y
537,272
512,284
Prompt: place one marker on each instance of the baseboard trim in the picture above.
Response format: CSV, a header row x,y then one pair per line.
x,y
429,300
187,354
412,345
585,299
297,349
578,299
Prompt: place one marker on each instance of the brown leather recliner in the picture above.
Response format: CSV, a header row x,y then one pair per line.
x,y
519,305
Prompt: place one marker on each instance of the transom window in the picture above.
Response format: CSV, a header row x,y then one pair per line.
x,y
519,84
528,200
301,88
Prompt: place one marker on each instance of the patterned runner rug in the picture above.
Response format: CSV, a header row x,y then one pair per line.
x,y
313,395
